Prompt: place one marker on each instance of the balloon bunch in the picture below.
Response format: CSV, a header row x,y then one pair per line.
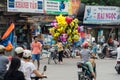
x,y
65,29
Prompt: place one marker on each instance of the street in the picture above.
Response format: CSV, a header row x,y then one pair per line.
x,y
68,70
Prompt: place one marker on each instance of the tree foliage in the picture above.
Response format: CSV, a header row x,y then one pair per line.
x,y
102,2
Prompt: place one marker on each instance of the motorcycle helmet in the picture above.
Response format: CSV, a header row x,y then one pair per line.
x,y
27,53
2,48
19,50
85,44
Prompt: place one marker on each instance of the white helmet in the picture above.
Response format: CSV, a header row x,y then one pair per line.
x,y
2,48
19,50
27,53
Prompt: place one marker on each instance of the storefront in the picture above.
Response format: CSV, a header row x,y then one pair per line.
x,y
103,21
103,32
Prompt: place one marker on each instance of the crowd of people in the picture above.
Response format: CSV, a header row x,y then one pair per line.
x,y
19,67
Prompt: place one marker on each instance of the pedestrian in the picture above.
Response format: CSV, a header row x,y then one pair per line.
x,y
94,49
3,62
28,67
19,53
36,51
60,52
110,41
13,73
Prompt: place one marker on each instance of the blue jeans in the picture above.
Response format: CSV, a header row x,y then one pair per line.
x,y
36,56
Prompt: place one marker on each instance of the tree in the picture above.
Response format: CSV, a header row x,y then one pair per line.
x,y
102,2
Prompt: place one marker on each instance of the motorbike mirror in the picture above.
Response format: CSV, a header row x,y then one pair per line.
x,y
44,68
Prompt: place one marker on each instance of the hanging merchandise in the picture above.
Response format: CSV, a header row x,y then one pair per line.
x,y
38,30
65,29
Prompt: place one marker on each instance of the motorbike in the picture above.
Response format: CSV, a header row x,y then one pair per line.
x,y
33,77
117,67
101,52
84,72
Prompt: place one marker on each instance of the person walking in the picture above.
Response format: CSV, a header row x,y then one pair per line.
x,y
3,62
13,73
36,51
60,52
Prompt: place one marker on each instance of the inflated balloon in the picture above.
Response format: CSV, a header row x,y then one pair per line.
x,y
60,29
55,24
69,31
68,19
78,28
60,18
75,20
65,35
76,37
56,35
54,21
52,24
62,39
65,29
75,31
69,39
72,24
52,30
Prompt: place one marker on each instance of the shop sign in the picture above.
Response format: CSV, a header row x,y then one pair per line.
x,y
56,6
32,6
43,18
102,15
73,7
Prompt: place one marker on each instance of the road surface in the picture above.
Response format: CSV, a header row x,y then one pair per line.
x,y
68,70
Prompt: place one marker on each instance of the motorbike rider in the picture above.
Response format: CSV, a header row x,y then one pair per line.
x,y
3,62
117,66
29,68
85,57
118,53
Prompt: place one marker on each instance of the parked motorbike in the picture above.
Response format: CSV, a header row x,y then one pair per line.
x,y
102,52
99,52
33,77
117,67
84,72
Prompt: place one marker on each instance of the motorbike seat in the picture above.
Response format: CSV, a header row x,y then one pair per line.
x,y
82,65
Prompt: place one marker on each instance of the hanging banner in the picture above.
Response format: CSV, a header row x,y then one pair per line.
x,y
56,6
102,15
32,6
73,7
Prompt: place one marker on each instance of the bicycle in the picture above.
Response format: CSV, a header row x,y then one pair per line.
x,y
53,55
